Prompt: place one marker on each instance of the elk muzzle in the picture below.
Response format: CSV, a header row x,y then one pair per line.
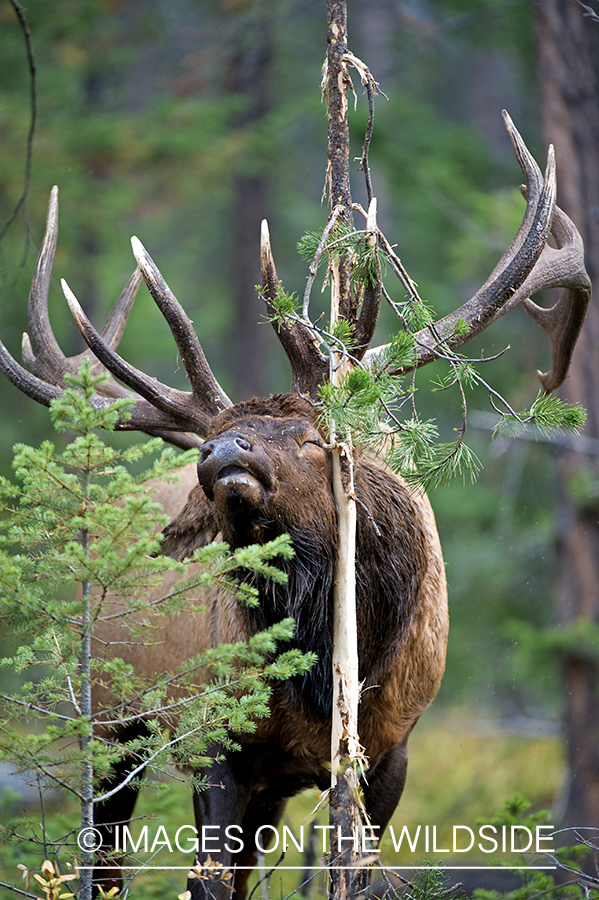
x,y
231,466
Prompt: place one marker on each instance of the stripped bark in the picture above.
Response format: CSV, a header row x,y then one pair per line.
x,y
346,754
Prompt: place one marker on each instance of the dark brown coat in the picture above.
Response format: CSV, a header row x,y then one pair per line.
x,y
264,471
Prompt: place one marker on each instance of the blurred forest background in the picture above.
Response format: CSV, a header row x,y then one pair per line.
x,y
186,122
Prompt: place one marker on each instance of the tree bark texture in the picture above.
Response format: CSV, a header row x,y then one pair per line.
x,y
338,131
344,810
568,68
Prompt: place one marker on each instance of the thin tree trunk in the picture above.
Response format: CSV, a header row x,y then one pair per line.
x,y
87,769
344,810
338,131
248,74
568,44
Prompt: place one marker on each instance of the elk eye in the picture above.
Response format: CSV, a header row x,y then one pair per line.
x,y
315,440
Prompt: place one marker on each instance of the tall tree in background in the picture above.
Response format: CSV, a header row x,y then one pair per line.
x,y
568,63
248,76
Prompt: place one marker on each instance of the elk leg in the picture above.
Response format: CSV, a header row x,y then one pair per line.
x,y
385,785
382,793
230,800
116,810
216,808
265,808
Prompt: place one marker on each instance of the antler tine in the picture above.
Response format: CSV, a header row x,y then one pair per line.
x,y
514,266
531,192
561,267
40,391
52,366
183,413
143,418
512,270
118,315
534,186
43,353
309,368
369,316
44,392
204,385
371,304
40,349
48,364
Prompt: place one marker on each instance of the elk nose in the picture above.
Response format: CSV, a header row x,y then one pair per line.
x,y
225,451
226,446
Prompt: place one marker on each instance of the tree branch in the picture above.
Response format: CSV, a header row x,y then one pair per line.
x,y
20,12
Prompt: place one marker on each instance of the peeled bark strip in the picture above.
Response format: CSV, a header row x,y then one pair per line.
x,y
346,754
344,735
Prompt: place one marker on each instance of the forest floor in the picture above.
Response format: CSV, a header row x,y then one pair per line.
x,y
461,769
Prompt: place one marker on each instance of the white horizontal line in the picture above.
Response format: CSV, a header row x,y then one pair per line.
x,y
234,868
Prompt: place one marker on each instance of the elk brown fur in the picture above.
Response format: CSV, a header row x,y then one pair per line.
x,y
401,609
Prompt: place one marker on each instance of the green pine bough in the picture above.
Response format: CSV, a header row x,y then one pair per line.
x,y
78,529
375,402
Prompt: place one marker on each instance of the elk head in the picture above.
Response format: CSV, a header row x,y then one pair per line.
x,y
262,464
528,265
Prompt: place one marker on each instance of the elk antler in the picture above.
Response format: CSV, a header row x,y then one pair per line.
x,y
175,413
561,267
309,368
527,266
41,352
188,410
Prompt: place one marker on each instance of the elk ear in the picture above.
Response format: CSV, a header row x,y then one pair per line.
x,y
194,527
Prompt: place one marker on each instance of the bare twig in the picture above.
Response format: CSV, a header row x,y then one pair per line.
x,y
147,762
18,891
67,676
400,270
370,86
54,714
20,12
338,211
588,12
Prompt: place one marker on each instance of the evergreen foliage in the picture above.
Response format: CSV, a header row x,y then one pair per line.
x,y
78,549
536,883
547,415
366,403
433,882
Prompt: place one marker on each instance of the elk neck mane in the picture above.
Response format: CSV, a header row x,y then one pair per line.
x,y
387,591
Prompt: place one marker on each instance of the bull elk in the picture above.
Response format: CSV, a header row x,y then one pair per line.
x,y
264,470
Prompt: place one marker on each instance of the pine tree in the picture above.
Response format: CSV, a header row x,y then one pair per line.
x,y
77,548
